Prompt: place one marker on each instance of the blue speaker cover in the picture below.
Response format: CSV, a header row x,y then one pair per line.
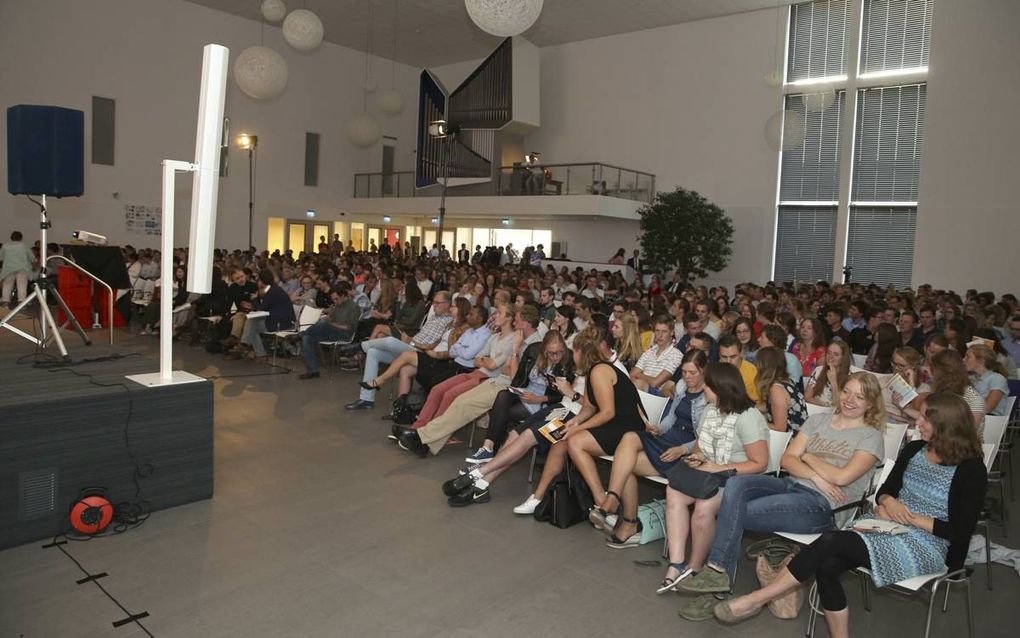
x,y
45,151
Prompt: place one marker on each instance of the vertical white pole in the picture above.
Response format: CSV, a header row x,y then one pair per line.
x,y
166,275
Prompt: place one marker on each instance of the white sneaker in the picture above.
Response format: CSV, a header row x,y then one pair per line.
x,y
528,506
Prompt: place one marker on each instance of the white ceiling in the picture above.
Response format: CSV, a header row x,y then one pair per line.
x,y
435,32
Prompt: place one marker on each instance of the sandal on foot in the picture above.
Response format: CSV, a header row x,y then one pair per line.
x,y
631,541
597,516
669,584
370,385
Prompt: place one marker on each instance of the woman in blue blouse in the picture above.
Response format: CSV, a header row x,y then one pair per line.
x,y
935,490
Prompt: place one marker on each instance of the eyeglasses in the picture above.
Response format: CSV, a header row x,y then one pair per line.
x,y
745,331
554,353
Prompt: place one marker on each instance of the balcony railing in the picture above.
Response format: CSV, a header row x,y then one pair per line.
x,y
547,179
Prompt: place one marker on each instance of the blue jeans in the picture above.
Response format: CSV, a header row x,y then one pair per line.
x,y
310,338
765,504
378,351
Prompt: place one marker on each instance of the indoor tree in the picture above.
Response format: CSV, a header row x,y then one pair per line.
x,y
684,231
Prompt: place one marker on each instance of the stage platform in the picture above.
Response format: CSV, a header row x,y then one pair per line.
x,y
64,428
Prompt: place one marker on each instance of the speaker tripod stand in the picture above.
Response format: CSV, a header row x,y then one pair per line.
x,y
40,288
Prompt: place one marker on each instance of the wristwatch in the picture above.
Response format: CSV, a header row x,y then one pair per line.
x,y
577,396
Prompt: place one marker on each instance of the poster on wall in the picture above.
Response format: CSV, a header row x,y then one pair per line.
x,y
143,220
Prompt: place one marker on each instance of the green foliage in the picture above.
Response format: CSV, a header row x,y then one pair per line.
x,y
683,230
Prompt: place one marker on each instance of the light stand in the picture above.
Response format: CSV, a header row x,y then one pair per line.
x,y
250,143
39,288
167,375
440,130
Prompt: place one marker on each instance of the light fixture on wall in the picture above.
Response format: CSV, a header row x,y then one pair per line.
x,y
504,18
310,214
386,219
303,30
248,142
532,158
273,10
505,221
435,220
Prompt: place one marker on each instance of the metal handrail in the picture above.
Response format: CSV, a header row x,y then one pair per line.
x,y
102,283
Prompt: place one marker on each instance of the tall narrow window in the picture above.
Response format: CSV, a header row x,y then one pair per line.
x,y
895,35
104,112
311,159
817,40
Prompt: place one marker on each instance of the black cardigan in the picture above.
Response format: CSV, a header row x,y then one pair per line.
x,y
966,498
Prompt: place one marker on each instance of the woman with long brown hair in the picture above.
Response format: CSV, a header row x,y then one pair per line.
x,y
627,337
949,375
935,492
828,379
784,405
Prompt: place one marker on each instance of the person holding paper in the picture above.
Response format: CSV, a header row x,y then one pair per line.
x,y
988,377
936,489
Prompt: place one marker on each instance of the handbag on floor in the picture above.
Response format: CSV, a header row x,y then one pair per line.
x,y
653,520
771,556
566,502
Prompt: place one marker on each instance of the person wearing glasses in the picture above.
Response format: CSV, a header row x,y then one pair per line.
x,y
386,349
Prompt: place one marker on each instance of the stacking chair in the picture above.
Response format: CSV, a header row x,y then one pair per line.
x,y
995,429
778,442
893,438
813,409
306,317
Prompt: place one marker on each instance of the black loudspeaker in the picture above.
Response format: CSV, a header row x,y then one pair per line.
x,y
45,151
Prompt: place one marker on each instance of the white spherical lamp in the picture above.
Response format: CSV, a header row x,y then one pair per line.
x,y
819,100
371,86
273,10
302,30
260,72
504,18
785,130
364,130
391,102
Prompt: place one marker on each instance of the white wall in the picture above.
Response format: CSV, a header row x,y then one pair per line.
x,y
968,220
685,102
147,55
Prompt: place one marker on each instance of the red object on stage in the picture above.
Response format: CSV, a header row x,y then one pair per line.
x,y
76,290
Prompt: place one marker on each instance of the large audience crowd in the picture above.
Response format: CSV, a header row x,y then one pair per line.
x,y
493,338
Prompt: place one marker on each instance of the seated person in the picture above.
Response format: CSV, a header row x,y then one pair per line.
x,y
810,347
514,405
784,405
988,377
829,377
657,365
409,315
627,340
488,362
654,451
305,294
409,363
773,336
338,324
733,439
731,352
936,490
241,294
830,464
272,299
386,349
432,436
906,362
435,366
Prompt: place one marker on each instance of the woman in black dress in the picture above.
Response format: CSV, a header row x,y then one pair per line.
x,y
610,409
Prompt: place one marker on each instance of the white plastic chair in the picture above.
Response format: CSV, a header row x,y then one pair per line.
x,y
308,316
859,359
778,442
655,406
893,438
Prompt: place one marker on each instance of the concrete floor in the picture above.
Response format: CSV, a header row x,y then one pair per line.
x,y
322,527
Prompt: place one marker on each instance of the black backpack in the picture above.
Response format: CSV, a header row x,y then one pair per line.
x,y
407,406
566,502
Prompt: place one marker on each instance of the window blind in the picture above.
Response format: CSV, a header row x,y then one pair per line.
x,y
895,34
887,144
817,39
881,244
810,172
805,243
